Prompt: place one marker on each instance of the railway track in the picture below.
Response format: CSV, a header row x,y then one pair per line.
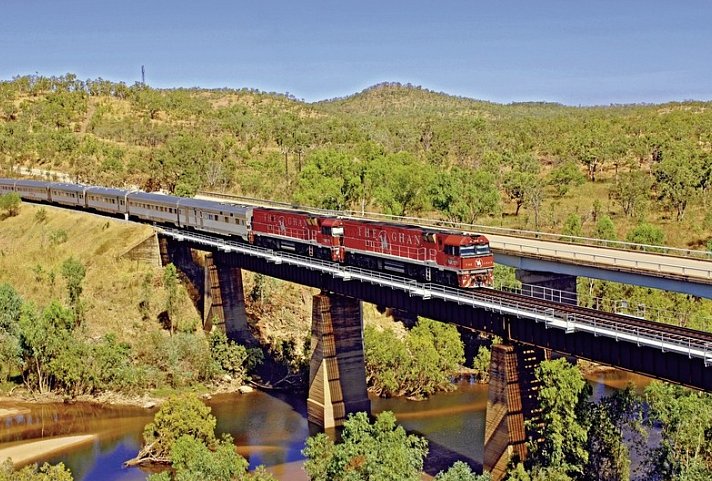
x,y
602,317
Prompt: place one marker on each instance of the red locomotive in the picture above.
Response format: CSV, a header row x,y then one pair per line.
x,y
426,254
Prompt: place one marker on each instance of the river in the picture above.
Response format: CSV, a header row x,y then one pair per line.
x,y
268,429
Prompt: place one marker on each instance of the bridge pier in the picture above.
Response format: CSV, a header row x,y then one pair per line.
x,y
545,285
224,302
512,400
337,374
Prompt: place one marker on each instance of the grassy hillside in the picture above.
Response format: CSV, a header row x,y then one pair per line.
x,y
32,252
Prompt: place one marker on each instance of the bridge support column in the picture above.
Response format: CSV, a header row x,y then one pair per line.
x,y
224,305
544,285
512,400
337,374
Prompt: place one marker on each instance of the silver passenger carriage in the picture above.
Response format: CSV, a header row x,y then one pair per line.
x,y
105,199
6,186
67,194
216,217
36,190
154,207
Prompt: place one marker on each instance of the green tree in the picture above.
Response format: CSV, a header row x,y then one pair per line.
x,y
330,180
481,363
646,234
400,183
573,226
521,182
465,195
563,437
564,176
74,272
10,310
381,451
10,204
179,416
46,472
677,180
43,337
605,228
233,358
685,418
461,472
631,192
193,461
419,365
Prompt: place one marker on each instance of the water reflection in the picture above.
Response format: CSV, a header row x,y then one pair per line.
x,y
268,429
453,423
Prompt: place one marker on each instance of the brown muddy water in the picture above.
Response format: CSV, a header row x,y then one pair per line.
x,y
268,428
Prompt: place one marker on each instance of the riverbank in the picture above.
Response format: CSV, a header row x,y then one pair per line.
x,y
28,452
116,399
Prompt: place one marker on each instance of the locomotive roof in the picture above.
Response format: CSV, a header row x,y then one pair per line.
x,y
424,228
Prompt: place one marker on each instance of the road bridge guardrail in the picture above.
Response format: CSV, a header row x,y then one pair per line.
x,y
652,335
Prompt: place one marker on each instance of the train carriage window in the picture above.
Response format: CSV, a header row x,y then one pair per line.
x,y
482,249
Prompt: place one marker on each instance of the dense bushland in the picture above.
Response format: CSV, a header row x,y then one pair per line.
x,y
416,363
49,351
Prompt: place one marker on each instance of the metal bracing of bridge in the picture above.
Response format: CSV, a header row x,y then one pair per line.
x,y
680,356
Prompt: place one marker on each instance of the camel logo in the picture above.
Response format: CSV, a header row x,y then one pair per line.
x,y
383,237
282,227
478,262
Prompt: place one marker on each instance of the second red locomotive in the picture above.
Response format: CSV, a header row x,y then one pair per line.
x,y
426,254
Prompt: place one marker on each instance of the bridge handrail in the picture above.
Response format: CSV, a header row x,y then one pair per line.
x,y
692,346
485,229
619,261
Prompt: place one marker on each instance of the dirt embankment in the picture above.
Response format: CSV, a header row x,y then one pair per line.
x,y
26,453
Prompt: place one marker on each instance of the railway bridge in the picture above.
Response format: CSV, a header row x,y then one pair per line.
x,y
531,328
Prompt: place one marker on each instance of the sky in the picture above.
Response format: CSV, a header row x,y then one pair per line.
x,y
595,52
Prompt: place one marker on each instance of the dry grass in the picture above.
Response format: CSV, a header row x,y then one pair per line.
x,y
31,262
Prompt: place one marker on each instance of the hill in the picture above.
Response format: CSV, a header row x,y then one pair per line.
x,y
393,148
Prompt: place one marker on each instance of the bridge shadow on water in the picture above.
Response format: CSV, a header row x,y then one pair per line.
x,y
441,457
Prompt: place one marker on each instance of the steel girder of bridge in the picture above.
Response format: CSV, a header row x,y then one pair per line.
x,y
643,353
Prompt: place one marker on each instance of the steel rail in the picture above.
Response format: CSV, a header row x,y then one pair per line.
x,y
693,343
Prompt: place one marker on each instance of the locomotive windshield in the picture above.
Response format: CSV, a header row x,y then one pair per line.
x,y
476,250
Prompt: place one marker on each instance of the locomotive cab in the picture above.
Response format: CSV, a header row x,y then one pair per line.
x,y
470,255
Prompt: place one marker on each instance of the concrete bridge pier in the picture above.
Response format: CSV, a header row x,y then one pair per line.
x,y
512,400
224,301
545,285
337,374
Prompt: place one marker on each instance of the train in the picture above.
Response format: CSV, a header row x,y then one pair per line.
x,y
425,254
